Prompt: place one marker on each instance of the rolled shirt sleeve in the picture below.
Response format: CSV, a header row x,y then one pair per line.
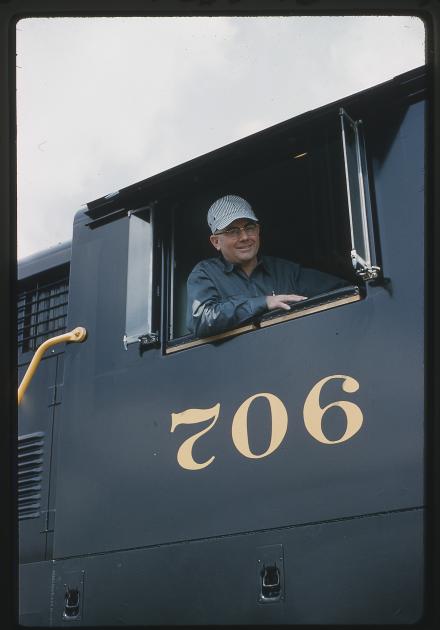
x,y
210,314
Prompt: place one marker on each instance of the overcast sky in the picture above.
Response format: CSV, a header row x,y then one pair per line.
x,y
105,102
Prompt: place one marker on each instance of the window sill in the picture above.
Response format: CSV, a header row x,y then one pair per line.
x,y
317,304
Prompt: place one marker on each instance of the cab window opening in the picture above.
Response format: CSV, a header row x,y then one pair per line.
x,y
300,201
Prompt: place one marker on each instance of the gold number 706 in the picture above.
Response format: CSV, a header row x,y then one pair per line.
x,y
312,412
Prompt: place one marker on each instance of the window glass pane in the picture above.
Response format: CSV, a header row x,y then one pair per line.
x,y
139,277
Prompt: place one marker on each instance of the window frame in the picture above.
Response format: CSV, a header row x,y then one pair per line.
x,y
354,292
140,321
365,267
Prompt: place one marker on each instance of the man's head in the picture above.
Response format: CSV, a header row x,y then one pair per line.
x,y
235,229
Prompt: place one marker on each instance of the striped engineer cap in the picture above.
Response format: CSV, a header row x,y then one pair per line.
x,y
226,210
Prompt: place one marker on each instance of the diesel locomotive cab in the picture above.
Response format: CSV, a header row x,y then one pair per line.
x,y
310,192
269,474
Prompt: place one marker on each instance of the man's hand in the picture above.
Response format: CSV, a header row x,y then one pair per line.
x,y
282,301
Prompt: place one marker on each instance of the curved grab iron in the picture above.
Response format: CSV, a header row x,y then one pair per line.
x,y
77,335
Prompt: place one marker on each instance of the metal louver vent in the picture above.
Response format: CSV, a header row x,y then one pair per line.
x,y
42,312
30,474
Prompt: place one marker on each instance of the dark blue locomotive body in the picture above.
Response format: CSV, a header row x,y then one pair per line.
x,y
273,474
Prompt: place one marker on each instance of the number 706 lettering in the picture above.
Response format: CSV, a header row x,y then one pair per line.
x,y
313,414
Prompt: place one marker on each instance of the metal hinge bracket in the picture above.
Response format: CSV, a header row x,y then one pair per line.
x,y
148,339
369,273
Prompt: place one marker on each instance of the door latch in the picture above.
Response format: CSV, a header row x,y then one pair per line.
x,y
270,582
270,574
71,603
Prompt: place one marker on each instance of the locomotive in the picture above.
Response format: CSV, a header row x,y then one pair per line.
x,y
271,474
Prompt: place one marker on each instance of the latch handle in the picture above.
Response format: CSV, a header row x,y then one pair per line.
x,y
270,581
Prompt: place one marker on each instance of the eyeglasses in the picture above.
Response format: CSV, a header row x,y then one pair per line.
x,y
250,229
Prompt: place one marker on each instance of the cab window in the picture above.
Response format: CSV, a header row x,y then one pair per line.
x,y
298,190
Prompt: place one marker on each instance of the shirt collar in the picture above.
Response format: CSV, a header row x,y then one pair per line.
x,y
228,266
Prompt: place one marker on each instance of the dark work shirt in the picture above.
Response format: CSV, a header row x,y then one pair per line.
x,y
221,296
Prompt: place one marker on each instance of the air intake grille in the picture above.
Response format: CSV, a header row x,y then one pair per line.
x,y
42,311
30,474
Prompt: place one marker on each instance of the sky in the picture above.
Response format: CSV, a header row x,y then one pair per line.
x,y
105,102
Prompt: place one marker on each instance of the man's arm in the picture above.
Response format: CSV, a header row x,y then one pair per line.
x,y
208,314
312,282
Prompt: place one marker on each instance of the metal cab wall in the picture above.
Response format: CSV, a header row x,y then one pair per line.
x,y
120,484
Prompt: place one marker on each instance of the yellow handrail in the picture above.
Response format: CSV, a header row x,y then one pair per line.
x,y
78,334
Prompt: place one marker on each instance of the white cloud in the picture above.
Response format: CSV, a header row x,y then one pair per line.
x,y
105,102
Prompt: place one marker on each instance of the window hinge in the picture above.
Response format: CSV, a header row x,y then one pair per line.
x,y
368,273
149,339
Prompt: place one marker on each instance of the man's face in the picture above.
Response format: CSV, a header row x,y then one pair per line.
x,y
238,249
